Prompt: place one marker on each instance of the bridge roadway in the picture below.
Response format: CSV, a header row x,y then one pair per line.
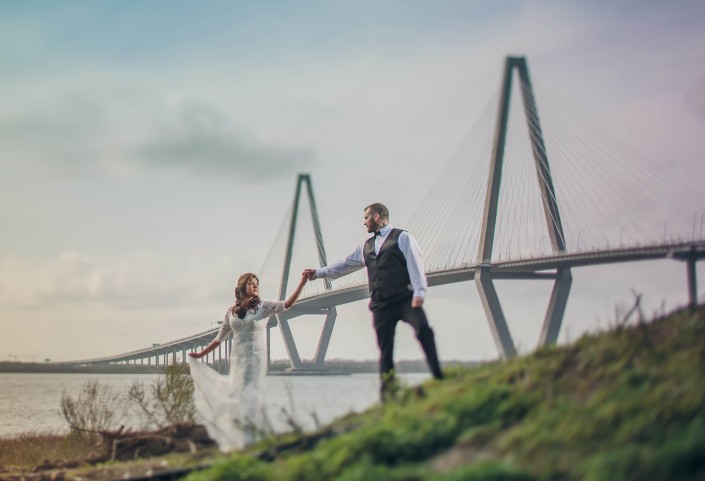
x,y
533,268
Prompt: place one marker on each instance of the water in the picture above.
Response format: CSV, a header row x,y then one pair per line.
x,y
32,402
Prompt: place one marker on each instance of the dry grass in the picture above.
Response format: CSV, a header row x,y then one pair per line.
x,y
30,450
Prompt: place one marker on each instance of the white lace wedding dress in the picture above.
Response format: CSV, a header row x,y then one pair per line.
x,y
232,406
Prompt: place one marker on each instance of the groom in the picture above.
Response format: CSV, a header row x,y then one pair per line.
x,y
397,288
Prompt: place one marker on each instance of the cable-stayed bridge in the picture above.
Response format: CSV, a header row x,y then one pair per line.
x,y
517,201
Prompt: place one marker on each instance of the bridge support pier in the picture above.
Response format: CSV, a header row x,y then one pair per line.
x,y
495,315
269,346
483,278
692,283
320,357
289,343
556,308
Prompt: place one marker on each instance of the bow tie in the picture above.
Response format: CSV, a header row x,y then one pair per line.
x,y
377,233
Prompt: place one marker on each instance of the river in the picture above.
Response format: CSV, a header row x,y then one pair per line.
x,y
32,402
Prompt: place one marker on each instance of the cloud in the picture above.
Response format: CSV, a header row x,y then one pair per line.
x,y
139,281
82,133
199,140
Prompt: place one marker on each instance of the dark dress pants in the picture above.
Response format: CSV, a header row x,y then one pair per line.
x,y
385,319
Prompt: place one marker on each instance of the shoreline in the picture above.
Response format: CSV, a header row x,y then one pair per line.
x,y
277,368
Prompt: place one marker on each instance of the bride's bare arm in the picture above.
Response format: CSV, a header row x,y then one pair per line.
x,y
224,331
210,347
291,300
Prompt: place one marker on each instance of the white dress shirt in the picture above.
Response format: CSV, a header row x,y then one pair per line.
x,y
355,261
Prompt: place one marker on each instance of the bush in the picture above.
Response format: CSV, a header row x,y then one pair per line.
x,y
170,400
96,409
167,401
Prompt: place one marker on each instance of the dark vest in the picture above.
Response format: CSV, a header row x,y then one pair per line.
x,y
387,273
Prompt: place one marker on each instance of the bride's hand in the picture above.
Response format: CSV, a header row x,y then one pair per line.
x,y
304,277
194,355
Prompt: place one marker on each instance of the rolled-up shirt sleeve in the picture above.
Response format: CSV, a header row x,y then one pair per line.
x,y
414,264
353,262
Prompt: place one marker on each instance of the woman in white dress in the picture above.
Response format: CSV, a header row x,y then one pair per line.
x,y
232,406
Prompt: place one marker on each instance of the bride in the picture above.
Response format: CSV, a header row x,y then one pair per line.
x,y
232,406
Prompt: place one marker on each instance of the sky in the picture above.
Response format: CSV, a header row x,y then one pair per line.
x,y
149,152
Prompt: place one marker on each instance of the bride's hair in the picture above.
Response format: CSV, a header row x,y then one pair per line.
x,y
242,304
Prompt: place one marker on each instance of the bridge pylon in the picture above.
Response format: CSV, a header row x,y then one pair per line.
x,y
484,278
330,313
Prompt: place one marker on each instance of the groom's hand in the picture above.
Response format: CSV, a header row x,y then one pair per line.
x,y
311,274
416,301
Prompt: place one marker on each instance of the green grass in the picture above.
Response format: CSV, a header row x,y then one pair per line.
x,y
628,404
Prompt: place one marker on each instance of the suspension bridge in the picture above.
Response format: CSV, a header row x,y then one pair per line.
x,y
547,204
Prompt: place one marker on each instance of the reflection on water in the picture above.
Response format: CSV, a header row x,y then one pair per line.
x,y
31,402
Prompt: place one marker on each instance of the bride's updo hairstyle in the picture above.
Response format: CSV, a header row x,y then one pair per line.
x,y
242,304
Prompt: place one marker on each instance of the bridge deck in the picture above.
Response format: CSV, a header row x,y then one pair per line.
x,y
534,268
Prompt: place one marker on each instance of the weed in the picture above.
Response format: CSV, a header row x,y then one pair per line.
x,y
96,408
168,400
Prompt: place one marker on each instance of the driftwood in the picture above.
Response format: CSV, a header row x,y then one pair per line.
x,y
124,445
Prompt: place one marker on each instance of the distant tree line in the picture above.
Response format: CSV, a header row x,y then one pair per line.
x,y
372,366
338,365
72,368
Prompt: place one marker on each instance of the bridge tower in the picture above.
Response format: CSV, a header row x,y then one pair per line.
x,y
330,313
484,278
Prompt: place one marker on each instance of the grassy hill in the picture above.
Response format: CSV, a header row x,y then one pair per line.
x,y
628,404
